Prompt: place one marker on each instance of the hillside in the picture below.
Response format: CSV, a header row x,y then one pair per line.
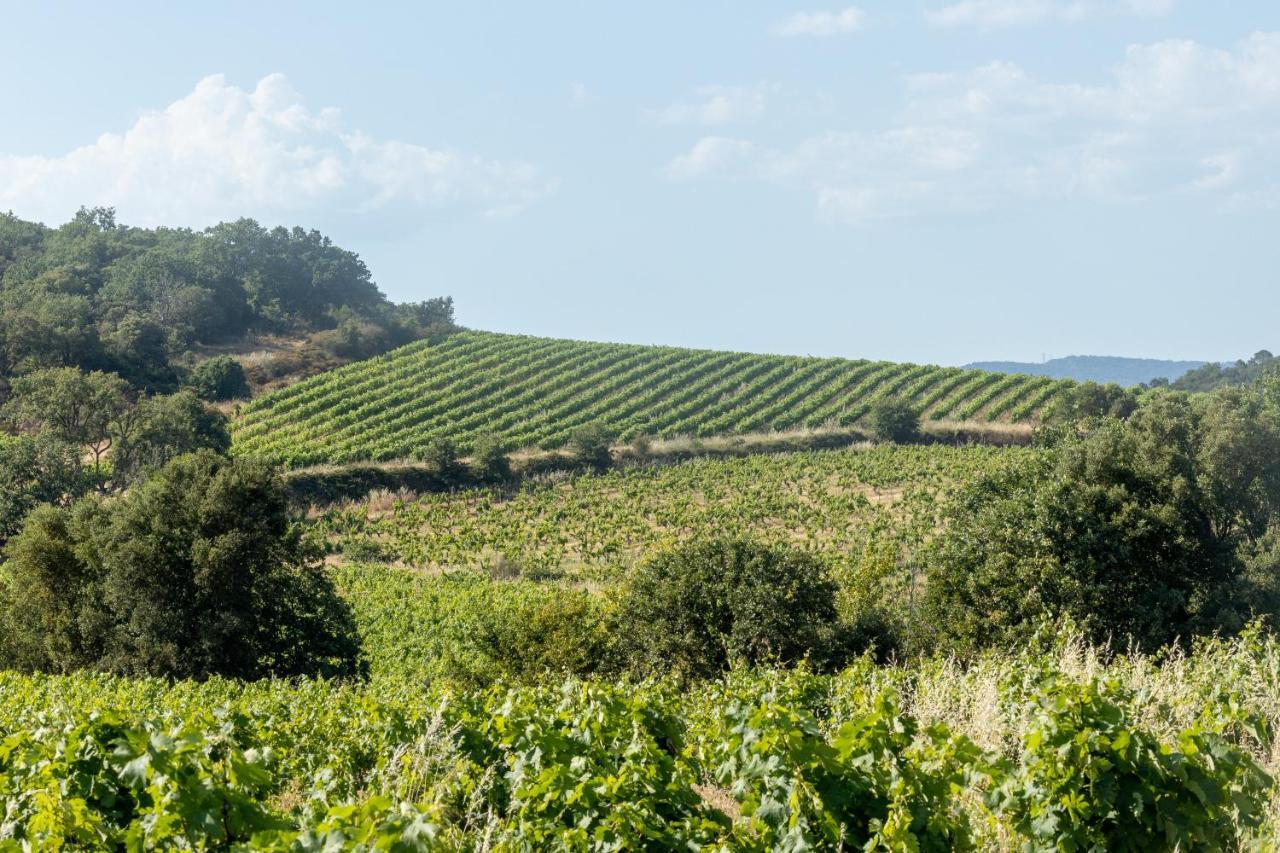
x,y
1095,368
533,392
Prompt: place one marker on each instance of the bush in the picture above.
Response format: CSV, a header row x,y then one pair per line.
x,y
560,632
1144,531
694,610
590,446
219,378
489,461
894,419
442,456
194,573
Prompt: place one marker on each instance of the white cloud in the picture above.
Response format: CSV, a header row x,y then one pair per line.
x,y
223,152
713,155
998,14
719,105
1175,118
848,20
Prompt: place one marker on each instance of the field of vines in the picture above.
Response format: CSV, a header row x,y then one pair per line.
x,y
1050,748
836,504
533,392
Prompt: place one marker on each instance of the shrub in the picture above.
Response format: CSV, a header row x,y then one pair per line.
x,y
894,419
219,378
196,572
590,446
695,609
442,456
489,461
559,632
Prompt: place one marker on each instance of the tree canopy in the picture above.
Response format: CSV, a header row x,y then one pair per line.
x,y
99,295
196,572
1160,527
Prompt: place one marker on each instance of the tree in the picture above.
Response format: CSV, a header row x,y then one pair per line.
x,y
219,378
590,445
1089,400
442,455
894,419
37,469
489,460
162,428
695,609
1143,531
77,407
196,572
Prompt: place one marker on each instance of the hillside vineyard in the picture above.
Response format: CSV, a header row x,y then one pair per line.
x,y
534,392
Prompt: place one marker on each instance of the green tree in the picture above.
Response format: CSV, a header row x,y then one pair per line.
x,y
37,469
77,407
219,378
196,572
489,460
1146,531
894,419
162,428
695,609
590,445
442,456
1089,400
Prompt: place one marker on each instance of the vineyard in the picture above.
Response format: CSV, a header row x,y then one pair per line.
x,y
1046,749
534,392
832,503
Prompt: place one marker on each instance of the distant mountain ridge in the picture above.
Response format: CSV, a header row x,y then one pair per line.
x,y
1096,368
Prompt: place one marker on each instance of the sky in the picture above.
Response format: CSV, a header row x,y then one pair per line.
x,y
939,181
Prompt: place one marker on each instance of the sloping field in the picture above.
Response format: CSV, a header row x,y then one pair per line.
x,y
533,392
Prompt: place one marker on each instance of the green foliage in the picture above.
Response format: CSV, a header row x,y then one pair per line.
x,y
219,378
162,428
566,633
1147,755
1090,778
536,392
1092,400
489,460
37,469
895,420
590,445
76,407
467,629
196,571
694,610
832,504
442,456
595,767
877,783
1142,531
99,295
1213,375
98,783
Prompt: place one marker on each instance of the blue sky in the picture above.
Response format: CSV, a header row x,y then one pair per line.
x,y
942,181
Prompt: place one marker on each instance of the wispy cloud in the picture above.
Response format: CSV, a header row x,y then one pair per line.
x,y
999,14
223,152
719,105
1176,118
822,23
